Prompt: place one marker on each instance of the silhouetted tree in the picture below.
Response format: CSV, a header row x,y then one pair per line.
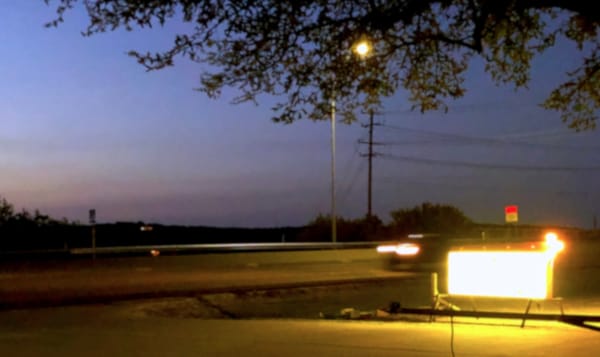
x,y
7,211
430,218
348,230
301,49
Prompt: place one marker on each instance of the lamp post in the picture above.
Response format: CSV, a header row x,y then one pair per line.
x,y
362,48
333,218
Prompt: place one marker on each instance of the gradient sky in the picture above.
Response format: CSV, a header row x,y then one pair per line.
x,y
83,126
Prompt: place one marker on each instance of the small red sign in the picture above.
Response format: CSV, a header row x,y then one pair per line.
x,y
511,214
511,209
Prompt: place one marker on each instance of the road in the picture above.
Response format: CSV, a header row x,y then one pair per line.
x,y
110,279
25,284
84,280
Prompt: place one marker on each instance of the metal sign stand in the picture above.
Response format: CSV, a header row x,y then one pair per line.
x,y
442,307
526,314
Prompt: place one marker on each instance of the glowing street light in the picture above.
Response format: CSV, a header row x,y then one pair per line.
x,y
362,48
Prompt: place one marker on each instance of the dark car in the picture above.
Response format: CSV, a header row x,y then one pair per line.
x,y
416,252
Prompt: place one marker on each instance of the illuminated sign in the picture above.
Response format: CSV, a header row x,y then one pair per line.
x,y
511,213
524,272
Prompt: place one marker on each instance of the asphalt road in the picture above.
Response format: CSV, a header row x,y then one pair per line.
x,y
111,279
40,283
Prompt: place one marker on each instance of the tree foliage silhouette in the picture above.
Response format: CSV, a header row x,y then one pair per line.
x,y
301,49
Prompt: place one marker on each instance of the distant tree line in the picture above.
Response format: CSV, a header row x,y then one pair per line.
x,y
34,231
10,218
431,218
426,218
26,231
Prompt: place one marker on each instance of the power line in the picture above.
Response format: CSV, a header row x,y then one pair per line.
x,y
477,185
539,133
477,165
465,139
357,172
348,165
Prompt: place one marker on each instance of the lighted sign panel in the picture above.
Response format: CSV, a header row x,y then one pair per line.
x,y
518,274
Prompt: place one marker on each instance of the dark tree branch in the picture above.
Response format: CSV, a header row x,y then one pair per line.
x,y
293,48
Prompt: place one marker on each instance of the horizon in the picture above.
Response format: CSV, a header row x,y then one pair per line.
x,y
385,223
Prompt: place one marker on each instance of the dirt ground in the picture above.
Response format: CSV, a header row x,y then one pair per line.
x,y
357,301
302,302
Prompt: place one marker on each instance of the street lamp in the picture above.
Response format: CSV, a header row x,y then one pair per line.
x,y
333,219
362,48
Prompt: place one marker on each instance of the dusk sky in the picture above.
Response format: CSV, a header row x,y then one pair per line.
x,y
83,126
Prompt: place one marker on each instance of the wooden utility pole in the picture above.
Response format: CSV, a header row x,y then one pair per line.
x,y
370,180
370,156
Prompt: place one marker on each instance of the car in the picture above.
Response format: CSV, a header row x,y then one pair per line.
x,y
416,252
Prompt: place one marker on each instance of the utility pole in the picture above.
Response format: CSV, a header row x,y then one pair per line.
x,y
370,180
370,156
